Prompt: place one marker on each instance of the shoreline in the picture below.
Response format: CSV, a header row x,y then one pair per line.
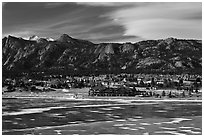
x,y
82,94
111,99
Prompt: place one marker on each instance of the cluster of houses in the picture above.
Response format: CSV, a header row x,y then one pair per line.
x,y
27,84
146,85
109,84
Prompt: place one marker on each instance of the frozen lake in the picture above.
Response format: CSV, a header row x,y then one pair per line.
x,y
55,116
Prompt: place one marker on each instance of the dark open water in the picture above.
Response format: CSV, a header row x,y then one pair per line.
x,y
52,116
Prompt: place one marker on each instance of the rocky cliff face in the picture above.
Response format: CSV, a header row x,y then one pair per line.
x,y
67,54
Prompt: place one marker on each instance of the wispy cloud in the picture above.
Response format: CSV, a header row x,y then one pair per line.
x,y
104,22
54,4
106,4
158,20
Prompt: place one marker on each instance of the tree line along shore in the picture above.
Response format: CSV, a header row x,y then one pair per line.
x,y
123,85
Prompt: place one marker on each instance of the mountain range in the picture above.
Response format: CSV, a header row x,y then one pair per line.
x,y
69,55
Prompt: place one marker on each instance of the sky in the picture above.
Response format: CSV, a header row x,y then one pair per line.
x,y
103,21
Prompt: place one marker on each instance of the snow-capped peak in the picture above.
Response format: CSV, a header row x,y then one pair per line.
x,y
49,39
34,37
